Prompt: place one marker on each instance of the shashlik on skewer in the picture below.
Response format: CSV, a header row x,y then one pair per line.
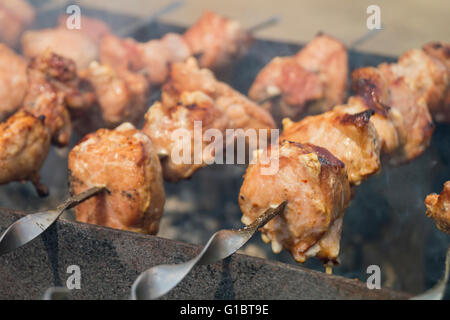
x,y
194,94
312,81
404,96
215,39
123,160
311,225
438,208
15,17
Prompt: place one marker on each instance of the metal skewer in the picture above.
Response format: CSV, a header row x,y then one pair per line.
x,y
159,280
32,225
365,37
438,291
265,24
129,29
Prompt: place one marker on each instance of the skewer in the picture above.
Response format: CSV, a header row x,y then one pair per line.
x,y
129,29
264,24
365,37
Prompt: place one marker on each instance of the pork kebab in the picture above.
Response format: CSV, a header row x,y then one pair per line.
x,y
125,160
51,84
321,157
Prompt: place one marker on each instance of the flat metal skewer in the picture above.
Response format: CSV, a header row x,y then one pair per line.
x,y
140,23
32,225
159,280
264,24
365,37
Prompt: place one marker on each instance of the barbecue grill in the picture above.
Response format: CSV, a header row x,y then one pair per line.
x,y
385,224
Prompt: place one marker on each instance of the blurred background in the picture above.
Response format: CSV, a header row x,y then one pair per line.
x,y
413,21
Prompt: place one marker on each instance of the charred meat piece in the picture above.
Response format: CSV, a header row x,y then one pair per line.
x,y
315,185
314,80
171,128
123,160
351,138
439,208
13,81
372,92
24,146
217,40
401,95
52,80
382,121
15,17
151,58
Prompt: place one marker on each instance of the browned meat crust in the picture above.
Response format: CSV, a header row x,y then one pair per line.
x,y
351,138
193,94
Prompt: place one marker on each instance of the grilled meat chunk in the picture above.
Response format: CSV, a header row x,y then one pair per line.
x,y
124,160
51,80
172,130
15,17
401,95
13,81
314,80
24,146
121,96
151,58
217,41
438,208
315,185
243,113
351,138
441,51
